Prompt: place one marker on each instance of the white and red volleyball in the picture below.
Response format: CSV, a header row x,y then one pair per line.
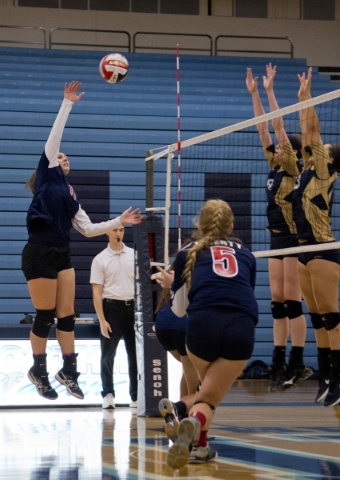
x,y
114,67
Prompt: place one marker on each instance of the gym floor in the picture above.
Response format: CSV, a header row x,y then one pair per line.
x,y
258,435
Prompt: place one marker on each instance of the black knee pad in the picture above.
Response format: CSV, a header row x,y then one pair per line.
x,y
202,401
43,322
66,324
331,320
316,320
293,309
278,310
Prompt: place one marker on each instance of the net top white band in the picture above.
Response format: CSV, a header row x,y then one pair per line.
x,y
248,123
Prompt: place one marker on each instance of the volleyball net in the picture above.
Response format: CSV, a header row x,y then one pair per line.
x,y
230,164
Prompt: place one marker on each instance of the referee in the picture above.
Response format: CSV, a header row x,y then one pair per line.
x,y
112,279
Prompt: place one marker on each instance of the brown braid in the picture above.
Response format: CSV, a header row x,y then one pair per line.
x,y
31,182
215,223
164,298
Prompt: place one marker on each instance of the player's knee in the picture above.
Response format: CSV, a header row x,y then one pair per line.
x,y
278,310
43,322
331,320
66,324
316,320
209,405
293,309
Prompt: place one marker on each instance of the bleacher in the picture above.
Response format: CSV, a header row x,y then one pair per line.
x,y
106,139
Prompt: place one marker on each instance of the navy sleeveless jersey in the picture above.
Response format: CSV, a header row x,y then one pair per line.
x,y
223,276
280,191
54,202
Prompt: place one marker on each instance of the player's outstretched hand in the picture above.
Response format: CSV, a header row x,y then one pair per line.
x,y
304,92
131,217
251,82
70,91
268,79
165,279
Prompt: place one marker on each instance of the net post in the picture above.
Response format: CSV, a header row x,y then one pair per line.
x,y
167,208
149,183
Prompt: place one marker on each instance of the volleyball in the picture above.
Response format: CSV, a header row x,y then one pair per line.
x,y
114,67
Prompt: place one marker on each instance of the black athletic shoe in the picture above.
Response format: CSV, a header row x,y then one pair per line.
x,y
293,375
333,395
43,385
278,377
70,380
323,390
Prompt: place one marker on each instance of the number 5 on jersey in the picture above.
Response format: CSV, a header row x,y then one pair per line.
x,y
224,261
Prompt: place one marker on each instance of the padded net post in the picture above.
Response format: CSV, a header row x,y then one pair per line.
x,y
148,241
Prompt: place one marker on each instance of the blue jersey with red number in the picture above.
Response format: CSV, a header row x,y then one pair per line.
x,y
223,276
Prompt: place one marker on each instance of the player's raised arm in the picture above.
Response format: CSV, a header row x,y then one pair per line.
x,y
278,124
262,128
309,120
52,146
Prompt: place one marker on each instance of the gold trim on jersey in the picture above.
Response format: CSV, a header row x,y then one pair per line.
x,y
319,186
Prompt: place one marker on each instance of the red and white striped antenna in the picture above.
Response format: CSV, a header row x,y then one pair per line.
x,y
178,148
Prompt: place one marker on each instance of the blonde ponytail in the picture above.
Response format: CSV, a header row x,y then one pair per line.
x,y
215,223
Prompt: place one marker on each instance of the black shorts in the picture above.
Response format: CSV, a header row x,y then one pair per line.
x,y
42,261
217,333
172,340
330,255
277,241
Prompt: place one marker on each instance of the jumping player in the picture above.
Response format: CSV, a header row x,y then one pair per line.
x,y
46,260
214,283
319,271
286,305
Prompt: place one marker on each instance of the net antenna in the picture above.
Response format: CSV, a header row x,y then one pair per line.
x,y
170,156
178,149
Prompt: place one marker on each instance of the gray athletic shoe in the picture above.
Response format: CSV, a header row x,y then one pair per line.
x,y
188,434
202,454
70,381
168,410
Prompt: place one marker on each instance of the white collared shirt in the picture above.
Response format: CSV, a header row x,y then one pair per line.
x,y
115,271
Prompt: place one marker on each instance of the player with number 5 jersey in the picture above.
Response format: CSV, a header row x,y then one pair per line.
x,y
214,283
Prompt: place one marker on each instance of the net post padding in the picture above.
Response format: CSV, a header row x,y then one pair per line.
x,y
148,242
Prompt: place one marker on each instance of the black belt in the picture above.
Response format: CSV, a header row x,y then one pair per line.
x,y
119,302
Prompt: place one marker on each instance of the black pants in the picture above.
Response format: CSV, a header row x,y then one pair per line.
x,y
121,320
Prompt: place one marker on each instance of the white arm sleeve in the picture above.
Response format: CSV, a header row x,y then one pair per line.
x,y
82,223
180,301
53,142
